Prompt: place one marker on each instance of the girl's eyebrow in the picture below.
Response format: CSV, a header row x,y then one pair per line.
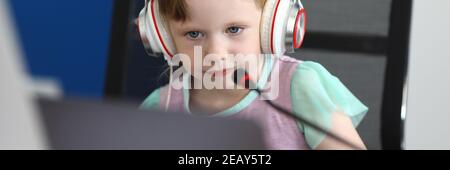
x,y
192,29
186,28
237,23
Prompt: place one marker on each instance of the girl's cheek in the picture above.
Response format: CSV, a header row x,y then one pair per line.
x,y
195,65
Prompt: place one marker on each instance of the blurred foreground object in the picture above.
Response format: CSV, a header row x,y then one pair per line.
x,y
20,127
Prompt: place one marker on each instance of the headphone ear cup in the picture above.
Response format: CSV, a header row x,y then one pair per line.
x,y
143,29
153,32
300,28
280,32
266,26
273,26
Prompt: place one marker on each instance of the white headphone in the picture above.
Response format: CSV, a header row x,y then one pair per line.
x,y
283,28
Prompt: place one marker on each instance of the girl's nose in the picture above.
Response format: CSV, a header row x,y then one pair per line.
x,y
217,46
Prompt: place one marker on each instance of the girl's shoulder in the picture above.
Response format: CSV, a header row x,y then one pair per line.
x,y
304,69
317,94
152,101
311,69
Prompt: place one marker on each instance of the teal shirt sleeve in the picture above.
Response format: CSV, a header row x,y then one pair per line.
x,y
152,101
316,94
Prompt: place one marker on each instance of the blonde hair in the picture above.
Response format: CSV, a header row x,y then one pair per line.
x,y
177,9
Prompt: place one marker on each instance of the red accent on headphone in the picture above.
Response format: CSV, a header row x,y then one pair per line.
x,y
157,30
273,26
298,44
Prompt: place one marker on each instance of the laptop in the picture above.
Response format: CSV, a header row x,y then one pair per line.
x,y
81,124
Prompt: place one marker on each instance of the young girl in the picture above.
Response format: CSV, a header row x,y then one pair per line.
x,y
251,27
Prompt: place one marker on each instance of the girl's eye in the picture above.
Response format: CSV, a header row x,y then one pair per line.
x,y
194,34
234,30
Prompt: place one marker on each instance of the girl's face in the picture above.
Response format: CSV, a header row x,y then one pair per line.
x,y
220,28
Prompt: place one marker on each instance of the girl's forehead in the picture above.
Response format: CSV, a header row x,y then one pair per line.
x,y
207,10
211,7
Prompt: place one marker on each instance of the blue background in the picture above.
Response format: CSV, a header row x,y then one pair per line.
x,y
66,40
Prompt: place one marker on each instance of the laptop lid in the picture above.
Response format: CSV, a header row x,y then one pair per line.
x,y
78,124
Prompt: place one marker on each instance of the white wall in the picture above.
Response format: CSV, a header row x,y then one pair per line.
x,y
428,103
